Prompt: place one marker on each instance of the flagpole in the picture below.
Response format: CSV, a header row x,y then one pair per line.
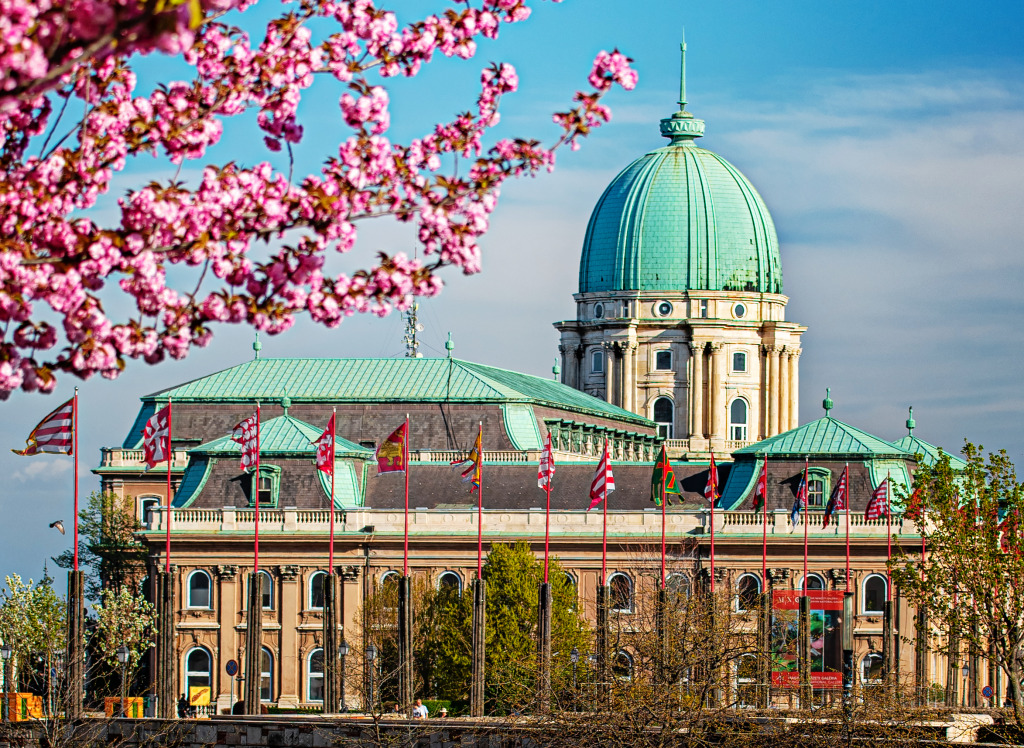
x,y
256,487
846,498
714,490
663,478
547,518
764,528
479,503
806,502
170,457
74,448
888,538
334,452
604,521
405,460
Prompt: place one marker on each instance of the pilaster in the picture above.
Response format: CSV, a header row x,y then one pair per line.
x,y
697,390
716,390
289,610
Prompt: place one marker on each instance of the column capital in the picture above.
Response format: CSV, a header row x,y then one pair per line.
x,y
696,346
225,571
714,347
793,352
288,572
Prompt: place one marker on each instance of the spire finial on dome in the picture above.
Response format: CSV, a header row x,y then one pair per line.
x,y
910,421
682,127
827,403
682,72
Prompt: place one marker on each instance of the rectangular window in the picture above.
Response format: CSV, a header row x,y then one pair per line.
x,y
704,309
739,362
816,492
738,432
597,362
663,360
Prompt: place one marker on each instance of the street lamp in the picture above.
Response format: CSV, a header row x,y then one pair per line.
x,y
574,658
966,671
342,654
122,657
5,652
371,655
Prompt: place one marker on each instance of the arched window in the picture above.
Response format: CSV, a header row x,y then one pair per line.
x,y
814,582
664,416
621,589
677,586
871,668
738,420
597,362
147,504
873,597
739,362
198,670
316,590
746,680
199,585
748,588
389,578
268,589
570,581
622,666
451,582
266,675
315,676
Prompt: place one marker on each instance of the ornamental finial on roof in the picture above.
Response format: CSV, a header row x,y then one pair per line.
x,y
827,403
556,370
682,127
910,421
449,345
286,402
257,346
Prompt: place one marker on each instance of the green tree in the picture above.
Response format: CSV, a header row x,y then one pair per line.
x,y
513,574
443,642
107,548
33,622
969,583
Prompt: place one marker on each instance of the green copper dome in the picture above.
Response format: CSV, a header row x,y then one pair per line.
x,y
681,218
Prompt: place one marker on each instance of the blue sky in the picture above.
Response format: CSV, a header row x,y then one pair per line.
x,y
884,137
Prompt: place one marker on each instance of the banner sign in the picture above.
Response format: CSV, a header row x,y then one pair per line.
x,y
826,622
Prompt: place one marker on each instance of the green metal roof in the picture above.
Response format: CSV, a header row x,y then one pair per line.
x,y
826,436
387,380
928,452
283,435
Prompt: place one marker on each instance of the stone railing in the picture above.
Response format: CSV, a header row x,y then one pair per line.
x,y
132,458
526,523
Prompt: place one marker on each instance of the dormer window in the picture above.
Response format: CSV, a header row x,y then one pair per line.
x,y
269,484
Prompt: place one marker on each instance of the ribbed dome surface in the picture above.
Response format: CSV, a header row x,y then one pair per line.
x,y
680,218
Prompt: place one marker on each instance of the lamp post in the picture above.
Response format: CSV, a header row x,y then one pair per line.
x,y
371,655
574,658
5,652
122,657
342,654
966,672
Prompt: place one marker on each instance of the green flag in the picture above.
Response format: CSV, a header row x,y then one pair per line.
x,y
663,478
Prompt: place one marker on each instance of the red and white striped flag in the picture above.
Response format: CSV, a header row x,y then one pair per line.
x,y
838,500
878,507
546,469
247,433
54,433
711,488
325,449
156,437
761,489
604,481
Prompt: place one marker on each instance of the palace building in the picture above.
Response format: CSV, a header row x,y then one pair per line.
x,y
680,338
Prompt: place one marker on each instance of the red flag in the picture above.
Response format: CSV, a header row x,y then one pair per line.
x,y
391,452
156,438
472,464
325,449
247,433
915,506
878,507
711,489
53,435
546,468
604,481
838,500
761,489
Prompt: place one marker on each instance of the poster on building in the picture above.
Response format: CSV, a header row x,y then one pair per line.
x,y
826,661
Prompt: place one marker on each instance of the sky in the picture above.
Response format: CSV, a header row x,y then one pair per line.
x,y
885,138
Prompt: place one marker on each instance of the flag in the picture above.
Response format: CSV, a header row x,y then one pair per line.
x,y
472,464
604,482
156,438
546,468
1010,532
325,449
915,506
53,435
247,433
711,489
391,452
800,502
663,480
878,507
761,489
837,501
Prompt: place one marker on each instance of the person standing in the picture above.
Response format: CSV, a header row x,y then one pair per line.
x,y
419,711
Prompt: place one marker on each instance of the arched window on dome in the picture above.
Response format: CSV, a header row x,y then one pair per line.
x,y
664,416
738,420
